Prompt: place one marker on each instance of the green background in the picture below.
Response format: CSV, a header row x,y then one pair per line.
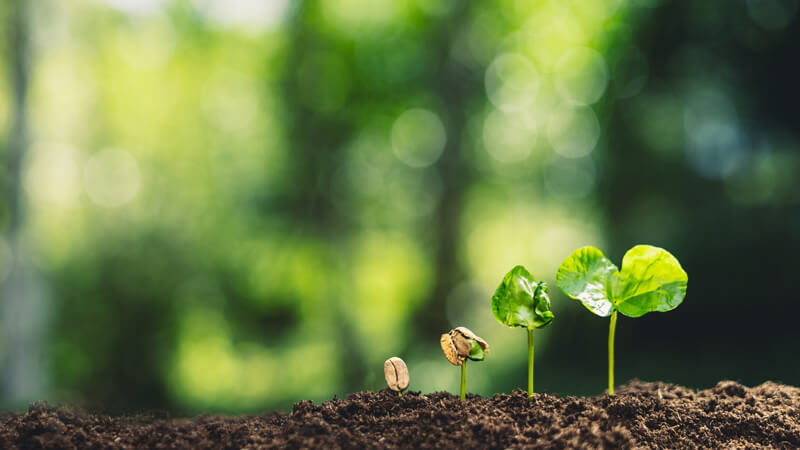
x,y
213,206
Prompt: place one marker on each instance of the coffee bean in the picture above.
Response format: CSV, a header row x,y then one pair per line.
x,y
396,373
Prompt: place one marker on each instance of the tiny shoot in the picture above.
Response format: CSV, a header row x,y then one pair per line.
x,y
460,345
651,279
521,301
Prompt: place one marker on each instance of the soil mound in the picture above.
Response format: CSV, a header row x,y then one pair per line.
x,y
642,415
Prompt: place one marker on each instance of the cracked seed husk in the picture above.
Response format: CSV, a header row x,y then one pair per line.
x,y
457,345
466,332
461,342
449,349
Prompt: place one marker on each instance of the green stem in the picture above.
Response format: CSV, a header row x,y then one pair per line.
x,y
399,394
464,380
611,330
530,364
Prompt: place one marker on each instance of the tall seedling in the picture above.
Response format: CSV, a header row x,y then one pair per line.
x,y
651,279
521,301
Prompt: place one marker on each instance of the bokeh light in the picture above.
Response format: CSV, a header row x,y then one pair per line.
x,y
111,178
53,176
512,82
509,138
251,15
418,137
573,131
582,76
570,178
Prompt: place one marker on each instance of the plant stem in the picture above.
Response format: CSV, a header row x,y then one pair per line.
x,y
530,364
399,394
611,330
464,380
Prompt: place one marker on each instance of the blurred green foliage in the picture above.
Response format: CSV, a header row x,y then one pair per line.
x,y
231,206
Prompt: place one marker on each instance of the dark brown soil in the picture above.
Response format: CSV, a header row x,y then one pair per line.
x,y
649,415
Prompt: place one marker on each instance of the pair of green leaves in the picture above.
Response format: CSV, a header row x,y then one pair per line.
x,y
651,279
521,301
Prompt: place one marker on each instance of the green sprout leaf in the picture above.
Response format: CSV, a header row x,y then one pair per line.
x,y
521,301
476,352
584,276
651,279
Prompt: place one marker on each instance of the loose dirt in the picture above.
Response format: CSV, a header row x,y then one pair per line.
x,y
642,415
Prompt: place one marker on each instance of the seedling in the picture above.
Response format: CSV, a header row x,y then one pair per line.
x,y
521,301
396,373
458,346
651,279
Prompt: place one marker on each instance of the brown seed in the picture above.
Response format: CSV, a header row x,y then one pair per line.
x,y
466,332
461,342
450,351
396,373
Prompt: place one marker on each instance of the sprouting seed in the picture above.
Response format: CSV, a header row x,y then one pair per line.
x,y
459,345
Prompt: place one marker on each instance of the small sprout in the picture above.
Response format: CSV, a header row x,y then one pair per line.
x,y
521,301
396,373
459,345
651,279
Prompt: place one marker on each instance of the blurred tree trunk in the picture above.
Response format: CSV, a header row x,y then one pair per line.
x,y
21,312
315,141
457,86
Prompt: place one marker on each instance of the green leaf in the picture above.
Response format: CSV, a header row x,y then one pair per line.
x,y
584,276
652,280
521,301
476,352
